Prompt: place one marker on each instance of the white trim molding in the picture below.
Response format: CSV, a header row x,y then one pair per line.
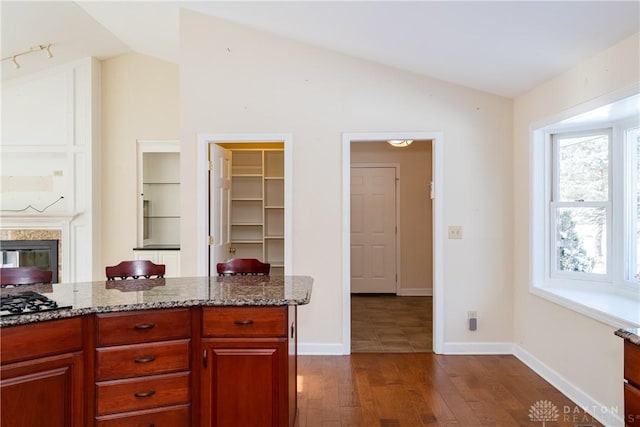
x,y
611,417
415,292
476,348
437,141
204,139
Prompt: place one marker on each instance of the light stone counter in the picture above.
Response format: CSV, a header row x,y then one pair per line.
x,y
146,294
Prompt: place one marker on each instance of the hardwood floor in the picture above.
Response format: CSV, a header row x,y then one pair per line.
x,y
382,323
425,389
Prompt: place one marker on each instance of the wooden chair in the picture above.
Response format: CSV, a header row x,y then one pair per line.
x,y
243,266
135,270
24,276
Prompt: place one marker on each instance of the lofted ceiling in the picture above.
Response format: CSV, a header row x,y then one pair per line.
x,y
501,47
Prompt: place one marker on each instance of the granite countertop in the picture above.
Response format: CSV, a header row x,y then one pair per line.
x,y
631,334
144,294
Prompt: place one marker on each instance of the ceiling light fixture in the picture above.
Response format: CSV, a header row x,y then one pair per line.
x,y
400,142
39,48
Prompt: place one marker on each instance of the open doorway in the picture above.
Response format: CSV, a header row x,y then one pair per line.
x,y
247,198
418,260
260,185
391,247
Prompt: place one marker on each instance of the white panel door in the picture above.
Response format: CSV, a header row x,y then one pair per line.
x,y
373,230
220,205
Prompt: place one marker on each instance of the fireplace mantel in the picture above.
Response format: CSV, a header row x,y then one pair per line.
x,y
59,222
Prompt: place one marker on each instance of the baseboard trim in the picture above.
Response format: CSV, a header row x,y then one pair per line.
x,y
316,349
472,348
415,292
608,416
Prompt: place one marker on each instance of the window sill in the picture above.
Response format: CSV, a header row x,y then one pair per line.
x,y
620,311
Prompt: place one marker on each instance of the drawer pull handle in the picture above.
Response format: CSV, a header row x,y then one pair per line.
x,y
243,322
145,393
144,326
144,359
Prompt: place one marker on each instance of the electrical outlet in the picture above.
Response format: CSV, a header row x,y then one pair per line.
x,y
455,232
473,320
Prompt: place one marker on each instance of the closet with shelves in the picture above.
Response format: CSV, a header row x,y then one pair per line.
x,y
257,205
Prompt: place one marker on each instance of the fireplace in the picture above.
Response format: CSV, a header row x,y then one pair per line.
x,y
31,253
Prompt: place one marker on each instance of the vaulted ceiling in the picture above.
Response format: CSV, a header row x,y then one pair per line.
x,y
501,47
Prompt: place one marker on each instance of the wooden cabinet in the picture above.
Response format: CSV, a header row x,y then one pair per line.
x,y
142,368
211,366
249,361
632,384
42,374
257,206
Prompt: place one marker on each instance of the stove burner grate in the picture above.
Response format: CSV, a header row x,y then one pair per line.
x,y
26,302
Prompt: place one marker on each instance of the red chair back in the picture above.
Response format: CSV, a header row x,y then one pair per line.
x,y
243,266
135,269
24,276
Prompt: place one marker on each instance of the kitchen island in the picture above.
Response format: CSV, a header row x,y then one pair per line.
x,y
203,351
631,337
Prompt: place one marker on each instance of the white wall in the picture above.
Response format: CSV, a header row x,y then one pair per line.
x,y
237,80
582,351
140,100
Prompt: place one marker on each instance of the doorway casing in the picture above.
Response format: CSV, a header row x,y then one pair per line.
x,y
437,144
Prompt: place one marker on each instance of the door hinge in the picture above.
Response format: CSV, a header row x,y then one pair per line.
x,y
211,165
210,240
431,191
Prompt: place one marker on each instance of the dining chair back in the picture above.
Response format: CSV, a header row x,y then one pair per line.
x,y
135,270
243,266
24,276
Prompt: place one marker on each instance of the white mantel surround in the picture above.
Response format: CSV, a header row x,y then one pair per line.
x,y
49,161
61,223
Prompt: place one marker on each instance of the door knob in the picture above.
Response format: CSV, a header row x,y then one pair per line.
x,y
232,250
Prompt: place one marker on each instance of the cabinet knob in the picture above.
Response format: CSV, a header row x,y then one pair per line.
x,y
144,359
243,322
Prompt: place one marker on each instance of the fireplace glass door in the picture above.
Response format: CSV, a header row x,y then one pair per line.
x,y
31,253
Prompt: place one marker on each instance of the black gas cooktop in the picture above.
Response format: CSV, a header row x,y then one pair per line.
x,y
26,302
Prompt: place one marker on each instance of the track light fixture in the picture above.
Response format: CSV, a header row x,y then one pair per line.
x,y
41,47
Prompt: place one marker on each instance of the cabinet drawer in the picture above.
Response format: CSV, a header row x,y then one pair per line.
x,y
142,326
632,363
174,416
40,339
142,359
244,321
632,405
142,393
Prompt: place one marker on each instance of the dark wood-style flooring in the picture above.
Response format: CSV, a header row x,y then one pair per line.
x,y
425,389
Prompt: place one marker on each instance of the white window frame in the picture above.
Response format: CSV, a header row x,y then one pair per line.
x,y
610,298
554,203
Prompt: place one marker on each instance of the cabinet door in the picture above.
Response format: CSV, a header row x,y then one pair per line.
x,y
43,392
171,260
244,383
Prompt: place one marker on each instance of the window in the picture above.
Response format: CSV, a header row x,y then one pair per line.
x,y
632,153
580,203
586,212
